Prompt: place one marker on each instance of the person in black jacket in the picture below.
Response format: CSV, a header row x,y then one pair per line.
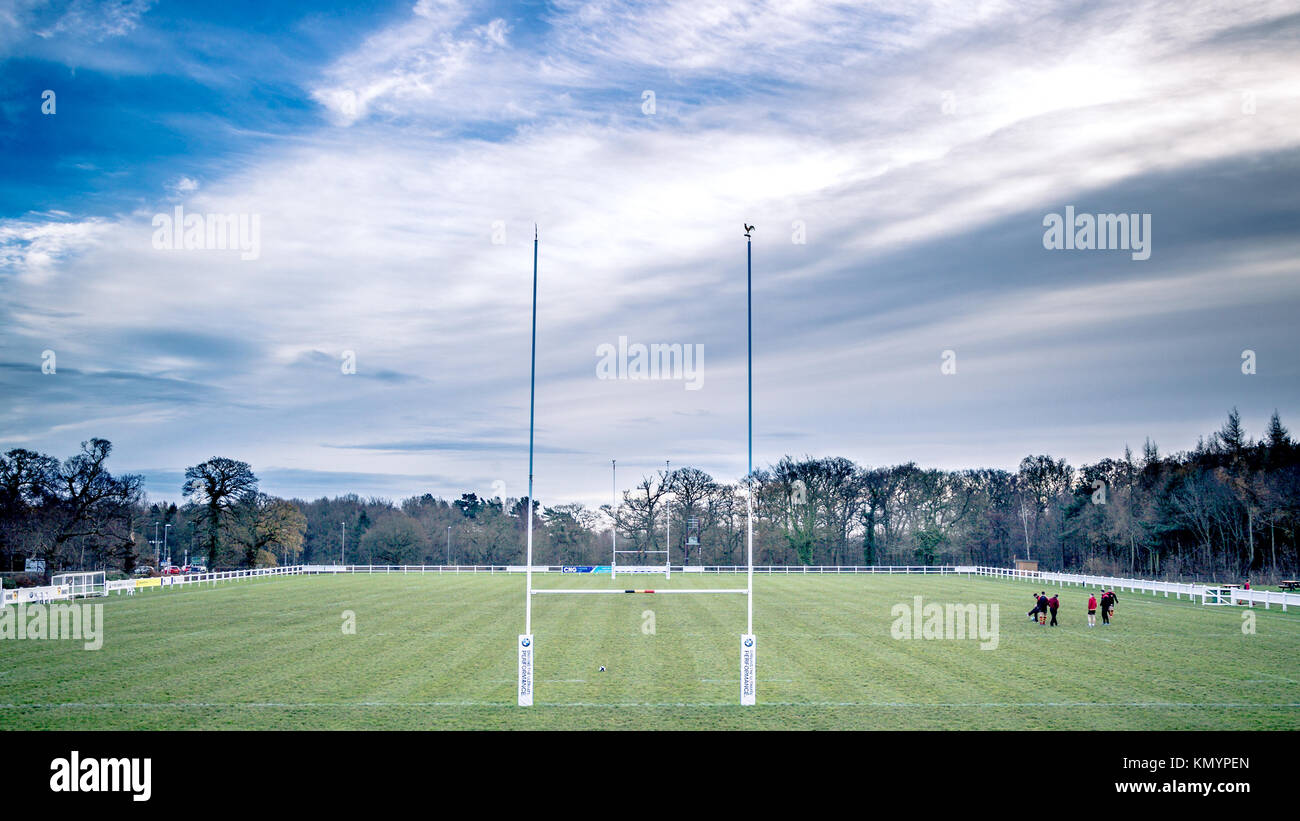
x,y
1105,607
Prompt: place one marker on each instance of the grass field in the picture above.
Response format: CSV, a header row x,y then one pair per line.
x,y
439,652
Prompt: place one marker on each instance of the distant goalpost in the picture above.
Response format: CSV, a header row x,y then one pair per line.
x,y
91,583
748,644
667,568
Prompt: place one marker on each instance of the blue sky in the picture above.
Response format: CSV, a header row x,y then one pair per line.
x,y
898,160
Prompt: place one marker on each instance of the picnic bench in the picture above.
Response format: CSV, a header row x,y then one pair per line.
x,y
1289,584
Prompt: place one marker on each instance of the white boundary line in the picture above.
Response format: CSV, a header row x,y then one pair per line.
x,y
200,705
540,591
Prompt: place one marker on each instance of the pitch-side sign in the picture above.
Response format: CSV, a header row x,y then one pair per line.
x,y
525,671
748,681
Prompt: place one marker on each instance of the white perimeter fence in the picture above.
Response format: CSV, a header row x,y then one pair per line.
x,y
1207,593
656,569
1213,593
23,595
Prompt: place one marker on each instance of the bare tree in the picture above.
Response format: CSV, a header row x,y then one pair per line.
x,y
638,515
218,484
267,523
85,500
691,488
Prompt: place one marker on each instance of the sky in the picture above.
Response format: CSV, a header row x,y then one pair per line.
x,y
389,161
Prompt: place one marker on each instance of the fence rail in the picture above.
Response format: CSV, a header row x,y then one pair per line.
x,y
1203,592
183,579
555,568
1236,595
24,595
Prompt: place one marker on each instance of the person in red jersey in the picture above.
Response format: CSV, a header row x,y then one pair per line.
x,y
1054,604
1092,609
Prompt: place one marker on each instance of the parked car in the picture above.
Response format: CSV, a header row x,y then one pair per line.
x,y
171,570
143,570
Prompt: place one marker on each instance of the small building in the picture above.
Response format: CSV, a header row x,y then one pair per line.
x,y
1029,565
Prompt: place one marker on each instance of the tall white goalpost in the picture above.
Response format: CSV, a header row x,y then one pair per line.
x,y
525,645
748,644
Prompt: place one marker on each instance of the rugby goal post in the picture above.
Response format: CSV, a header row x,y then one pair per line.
x,y
91,583
666,569
525,646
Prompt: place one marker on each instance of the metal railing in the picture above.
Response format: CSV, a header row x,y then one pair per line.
x,y
1250,598
555,568
1236,595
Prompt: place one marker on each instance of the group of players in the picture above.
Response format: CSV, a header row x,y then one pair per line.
x,y
1044,605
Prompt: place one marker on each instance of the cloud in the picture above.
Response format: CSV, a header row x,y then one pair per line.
x,y
30,248
454,445
83,21
92,19
183,186
410,63
916,146
164,484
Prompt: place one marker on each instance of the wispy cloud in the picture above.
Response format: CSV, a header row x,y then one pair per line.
x,y
89,21
30,248
915,146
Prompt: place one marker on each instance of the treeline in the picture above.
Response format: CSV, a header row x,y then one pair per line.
x,y
1227,508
